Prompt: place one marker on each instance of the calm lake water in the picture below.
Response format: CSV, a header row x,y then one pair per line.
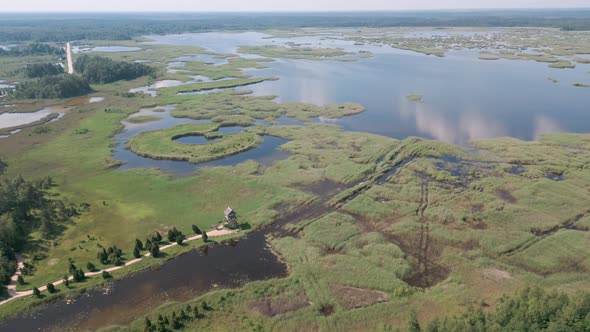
x,y
464,98
265,153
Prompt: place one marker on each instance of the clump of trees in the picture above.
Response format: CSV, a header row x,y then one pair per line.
x,y
26,207
112,255
52,87
97,69
77,273
531,310
42,69
32,49
174,235
152,244
174,321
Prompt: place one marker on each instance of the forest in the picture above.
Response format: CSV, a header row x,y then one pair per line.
x,y
69,27
96,69
26,207
35,70
533,309
34,49
52,87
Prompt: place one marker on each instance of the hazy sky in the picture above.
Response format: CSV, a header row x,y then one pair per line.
x,y
273,5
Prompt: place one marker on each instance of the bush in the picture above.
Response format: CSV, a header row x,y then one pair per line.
x,y
36,292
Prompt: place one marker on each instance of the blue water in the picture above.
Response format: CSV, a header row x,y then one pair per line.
x,y
464,98
265,153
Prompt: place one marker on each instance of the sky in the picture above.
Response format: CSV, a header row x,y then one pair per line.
x,y
272,5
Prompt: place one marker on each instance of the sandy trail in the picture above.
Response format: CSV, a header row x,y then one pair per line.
x,y
69,58
15,295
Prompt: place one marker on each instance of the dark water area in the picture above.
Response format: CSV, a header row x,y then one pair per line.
x,y
180,279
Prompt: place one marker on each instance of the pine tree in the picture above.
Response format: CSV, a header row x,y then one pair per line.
x,y
36,292
138,244
66,281
196,230
91,267
205,237
136,252
196,312
180,238
50,288
158,237
20,280
155,250
148,325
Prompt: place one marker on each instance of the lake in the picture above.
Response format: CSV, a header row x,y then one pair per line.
x,y
266,153
464,98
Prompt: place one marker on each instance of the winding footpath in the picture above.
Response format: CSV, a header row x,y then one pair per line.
x,y
14,294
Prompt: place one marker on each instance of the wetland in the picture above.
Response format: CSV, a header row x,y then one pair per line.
x,y
412,173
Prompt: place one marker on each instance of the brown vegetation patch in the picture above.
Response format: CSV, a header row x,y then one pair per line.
x,y
506,196
271,307
352,297
425,252
495,274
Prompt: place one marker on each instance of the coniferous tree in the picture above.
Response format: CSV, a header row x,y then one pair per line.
x,y
50,288
196,230
155,250
138,244
180,238
136,253
205,237
20,280
36,292
90,267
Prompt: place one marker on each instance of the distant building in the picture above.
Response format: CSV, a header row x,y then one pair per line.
x,y
230,218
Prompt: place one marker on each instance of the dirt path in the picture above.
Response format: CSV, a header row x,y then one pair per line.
x,y
69,58
13,281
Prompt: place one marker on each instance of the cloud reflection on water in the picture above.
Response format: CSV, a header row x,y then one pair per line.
x,y
469,126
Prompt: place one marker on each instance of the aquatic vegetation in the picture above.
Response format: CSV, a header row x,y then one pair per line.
x,y
204,86
142,119
413,97
296,52
160,144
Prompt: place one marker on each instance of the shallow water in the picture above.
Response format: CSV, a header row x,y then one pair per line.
x,y
95,100
464,98
8,120
113,49
265,153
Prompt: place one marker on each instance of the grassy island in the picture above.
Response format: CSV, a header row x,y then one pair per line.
x,y
414,97
297,52
160,144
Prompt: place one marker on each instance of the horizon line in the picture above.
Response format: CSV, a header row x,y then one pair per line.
x,y
295,11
